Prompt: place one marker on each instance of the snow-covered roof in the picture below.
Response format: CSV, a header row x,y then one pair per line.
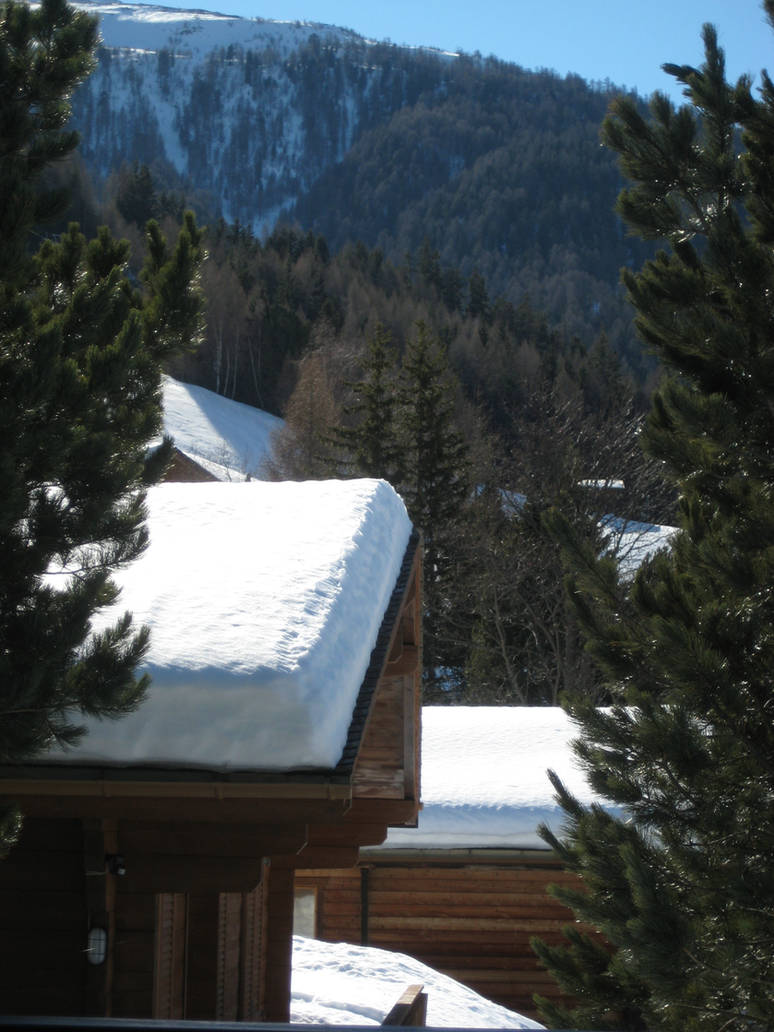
x,y
633,542
484,782
264,603
227,438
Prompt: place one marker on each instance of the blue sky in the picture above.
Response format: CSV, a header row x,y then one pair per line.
x,y
623,40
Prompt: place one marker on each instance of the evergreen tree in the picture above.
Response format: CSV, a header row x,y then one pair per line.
x,y
681,881
435,488
371,440
136,195
80,352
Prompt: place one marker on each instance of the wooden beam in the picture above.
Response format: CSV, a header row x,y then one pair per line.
x,y
203,839
393,812
347,834
279,944
325,856
192,874
215,811
65,782
410,1009
406,662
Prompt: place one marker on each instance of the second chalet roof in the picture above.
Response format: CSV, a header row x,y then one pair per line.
x,y
264,602
484,780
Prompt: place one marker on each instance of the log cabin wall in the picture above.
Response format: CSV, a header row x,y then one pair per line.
x,y
388,759
168,955
470,919
42,922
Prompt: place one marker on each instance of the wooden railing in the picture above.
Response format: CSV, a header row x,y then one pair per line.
x,y
50,1024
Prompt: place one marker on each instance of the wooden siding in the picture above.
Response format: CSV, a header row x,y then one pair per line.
x,y
133,965
387,765
472,921
42,921
169,954
183,469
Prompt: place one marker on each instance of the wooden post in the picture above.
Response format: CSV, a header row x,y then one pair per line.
x,y
411,1008
279,945
99,841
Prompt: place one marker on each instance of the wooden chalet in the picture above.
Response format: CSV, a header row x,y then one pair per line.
x,y
466,890
149,889
184,469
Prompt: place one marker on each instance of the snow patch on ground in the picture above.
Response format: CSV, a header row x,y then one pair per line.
x,y
264,602
339,984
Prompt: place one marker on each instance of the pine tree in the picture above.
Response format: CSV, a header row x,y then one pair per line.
x,y
435,488
679,874
80,393
371,440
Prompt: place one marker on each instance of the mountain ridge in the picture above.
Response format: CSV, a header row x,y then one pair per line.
x,y
499,169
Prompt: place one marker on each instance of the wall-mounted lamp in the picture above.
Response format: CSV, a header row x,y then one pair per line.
x,y
114,864
96,945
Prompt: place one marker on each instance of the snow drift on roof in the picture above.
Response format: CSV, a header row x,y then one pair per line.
x,y
484,781
227,438
264,603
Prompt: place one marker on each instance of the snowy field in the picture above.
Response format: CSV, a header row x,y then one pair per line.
x,y
338,984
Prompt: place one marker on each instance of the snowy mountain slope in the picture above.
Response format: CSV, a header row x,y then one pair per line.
x,y
198,32
250,110
499,168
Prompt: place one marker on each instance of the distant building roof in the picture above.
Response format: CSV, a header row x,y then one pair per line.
x,y
484,782
226,438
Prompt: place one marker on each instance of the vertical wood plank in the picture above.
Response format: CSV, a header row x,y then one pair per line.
x,y
279,946
253,952
227,960
170,956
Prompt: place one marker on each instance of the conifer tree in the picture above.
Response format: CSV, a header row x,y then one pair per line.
x,y
434,486
403,427
80,392
371,440
678,867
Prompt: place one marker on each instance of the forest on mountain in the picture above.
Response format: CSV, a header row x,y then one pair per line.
x,y
499,169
